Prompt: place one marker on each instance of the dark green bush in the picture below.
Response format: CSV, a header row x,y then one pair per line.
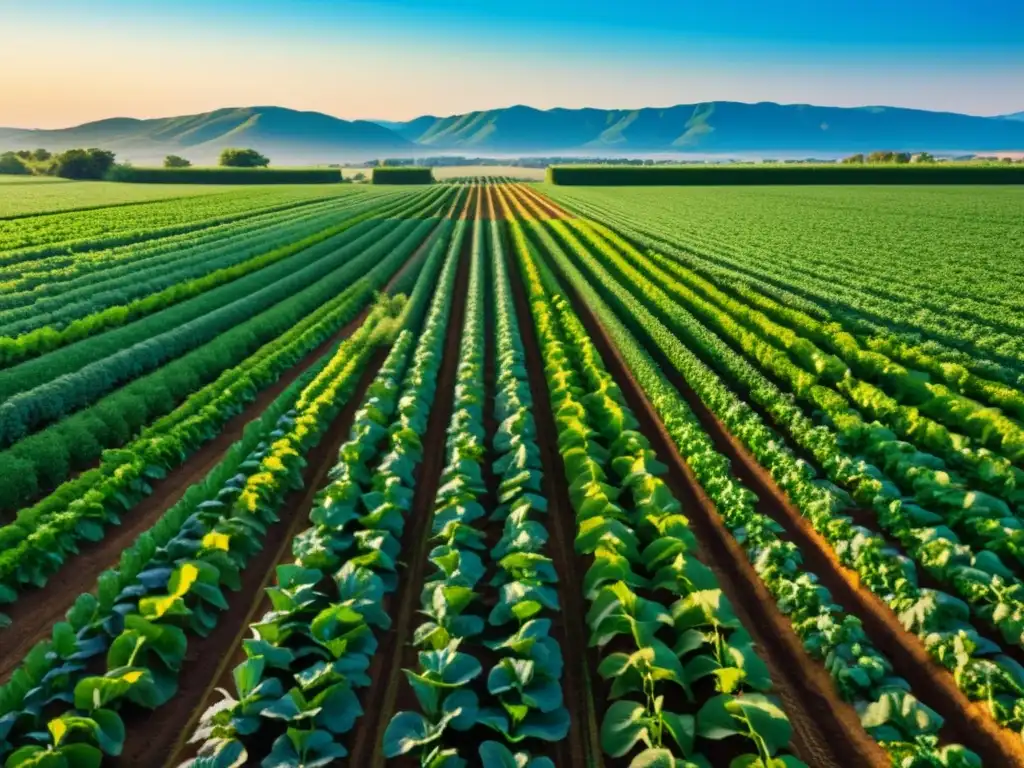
x,y
406,174
225,175
12,165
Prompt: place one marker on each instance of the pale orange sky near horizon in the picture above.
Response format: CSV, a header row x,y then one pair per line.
x,y
63,75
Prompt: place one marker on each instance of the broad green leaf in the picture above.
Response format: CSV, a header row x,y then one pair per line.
x,y
405,732
625,723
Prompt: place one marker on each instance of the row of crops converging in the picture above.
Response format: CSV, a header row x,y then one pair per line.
x,y
472,476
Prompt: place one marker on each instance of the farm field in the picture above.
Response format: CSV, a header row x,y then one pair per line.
x,y
31,195
503,474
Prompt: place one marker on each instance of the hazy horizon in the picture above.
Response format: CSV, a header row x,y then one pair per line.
x,y
396,59
374,119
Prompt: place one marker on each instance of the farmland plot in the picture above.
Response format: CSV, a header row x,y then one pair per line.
x,y
471,475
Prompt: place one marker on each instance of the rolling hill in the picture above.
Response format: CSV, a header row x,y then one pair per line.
x,y
286,135
713,127
292,137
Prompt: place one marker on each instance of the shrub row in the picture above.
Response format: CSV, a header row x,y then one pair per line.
x,y
403,175
228,175
739,175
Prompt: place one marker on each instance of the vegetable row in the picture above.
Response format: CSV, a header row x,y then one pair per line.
x,y
43,537
45,459
130,648
522,698
96,307
308,658
939,619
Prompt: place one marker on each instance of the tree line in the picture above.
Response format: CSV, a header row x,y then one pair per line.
x,y
95,164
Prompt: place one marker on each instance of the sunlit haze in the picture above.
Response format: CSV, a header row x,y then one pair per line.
x,y
66,62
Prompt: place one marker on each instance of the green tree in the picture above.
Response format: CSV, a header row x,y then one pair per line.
x,y
924,157
243,158
857,159
175,161
41,155
82,164
12,165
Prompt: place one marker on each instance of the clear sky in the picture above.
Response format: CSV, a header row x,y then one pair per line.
x,y
63,62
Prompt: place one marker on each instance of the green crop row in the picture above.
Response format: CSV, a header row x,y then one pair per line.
x,y
922,410
203,316
47,457
921,475
148,290
330,603
66,292
28,282
56,234
522,698
37,543
879,262
639,540
177,591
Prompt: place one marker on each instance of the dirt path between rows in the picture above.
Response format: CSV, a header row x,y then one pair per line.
x,y
965,722
37,610
826,730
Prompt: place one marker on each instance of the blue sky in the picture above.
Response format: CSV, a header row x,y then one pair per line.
x,y
73,61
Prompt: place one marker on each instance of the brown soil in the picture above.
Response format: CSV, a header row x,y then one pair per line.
x,y
159,737
467,210
494,210
966,723
547,208
584,732
382,698
827,730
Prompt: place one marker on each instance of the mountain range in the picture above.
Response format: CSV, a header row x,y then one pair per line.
x,y
283,134
720,127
